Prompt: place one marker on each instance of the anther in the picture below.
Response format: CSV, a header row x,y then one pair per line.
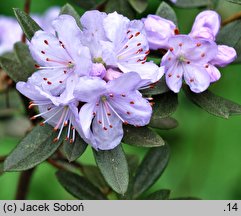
x,y
123,95
203,54
180,44
111,95
128,113
49,83
42,52
198,44
131,37
137,33
46,42
100,122
169,75
206,66
191,80
55,140
37,66
147,52
125,123
171,49
104,128
176,31
45,78
132,102
111,126
41,124
139,44
71,141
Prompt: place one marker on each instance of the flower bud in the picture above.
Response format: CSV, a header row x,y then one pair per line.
x,y
112,74
98,70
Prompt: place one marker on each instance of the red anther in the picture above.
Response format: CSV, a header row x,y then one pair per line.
x,y
60,42
42,52
198,44
45,78
169,75
46,42
71,141
147,52
169,59
203,55
100,122
65,72
123,95
47,59
109,114
66,138
191,80
128,113
70,62
178,76
125,123
41,124
128,31
126,46
65,124
188,62
137,33
111,126
49,108
94,113
206,66
72,128
111,95
143,62
60,81
104,128
49,83
171,49
97,104
55,129
176,31
131,37
132,102
152,103
55,140
32,118
180,44
139,44
37,66
63,46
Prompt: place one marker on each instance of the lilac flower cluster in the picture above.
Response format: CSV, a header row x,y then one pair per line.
x,y
88,80
195,56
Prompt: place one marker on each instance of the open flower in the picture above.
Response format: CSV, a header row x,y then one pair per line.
x,y
189,58
108,106
59,112
59,57
119,44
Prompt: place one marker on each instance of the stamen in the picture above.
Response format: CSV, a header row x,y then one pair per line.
x,y
137,33
46,42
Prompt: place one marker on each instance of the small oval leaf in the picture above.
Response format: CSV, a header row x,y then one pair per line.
x,y
139,5
36,147
165,11
159,195
141,137
114,168
28,25
78,186
163,123
150,169
69,9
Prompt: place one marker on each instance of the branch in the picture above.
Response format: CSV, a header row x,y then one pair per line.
x,y
232,18
23,184
26,10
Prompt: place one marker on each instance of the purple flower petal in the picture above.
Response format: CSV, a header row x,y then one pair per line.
x,y
225,56
213,73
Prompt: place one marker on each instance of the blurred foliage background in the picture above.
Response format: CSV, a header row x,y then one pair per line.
x,y
205,150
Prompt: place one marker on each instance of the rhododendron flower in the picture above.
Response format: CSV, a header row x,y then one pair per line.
x,y
108,106
119,44
59,57
59,112
189,58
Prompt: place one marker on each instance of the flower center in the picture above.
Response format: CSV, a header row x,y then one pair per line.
x,y
182,58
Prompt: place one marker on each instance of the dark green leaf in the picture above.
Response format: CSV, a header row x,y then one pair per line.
x,y
139,5
193,3
90,4
93,174
186,198
121,6
13,69
159,195
133,162
78,186
234,39
150,169
235,1
74,150
68,9
163,123
28,25
141,137
159,88
24,57
114,168
36,147
165,11
214,104
165,104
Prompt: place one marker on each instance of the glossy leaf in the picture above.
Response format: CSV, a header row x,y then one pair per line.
x,y
121,6
159,195
93,174
68,9
74,150
90,4
28,25
141,137
193,3
235,1
159,88
24,57
35,148
165,11
233,39
165,104
163,123
78,186
133,162
150,169
139,5
114,168
214,104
